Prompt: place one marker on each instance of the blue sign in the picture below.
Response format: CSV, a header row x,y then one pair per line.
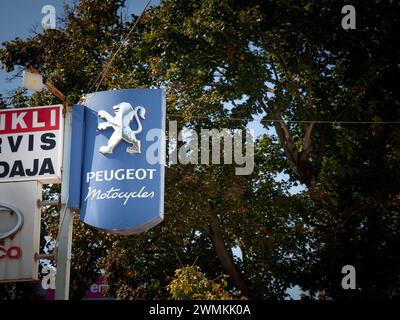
x,y
117,170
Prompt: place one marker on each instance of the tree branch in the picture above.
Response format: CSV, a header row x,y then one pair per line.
x,y
224,254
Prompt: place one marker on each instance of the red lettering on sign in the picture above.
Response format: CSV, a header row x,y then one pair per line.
x,y
10,253
29,120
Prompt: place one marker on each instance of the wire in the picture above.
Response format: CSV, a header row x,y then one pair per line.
x,y
290,121
103,73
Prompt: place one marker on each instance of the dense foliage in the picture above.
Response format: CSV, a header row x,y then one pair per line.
x,y
322,92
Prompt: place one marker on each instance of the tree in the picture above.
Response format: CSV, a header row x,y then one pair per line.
x,y
197,226
220,61
191,284
295,63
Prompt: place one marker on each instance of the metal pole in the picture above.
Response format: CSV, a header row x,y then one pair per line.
x,y
66,219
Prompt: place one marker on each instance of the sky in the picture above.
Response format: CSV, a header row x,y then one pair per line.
x,y
18,18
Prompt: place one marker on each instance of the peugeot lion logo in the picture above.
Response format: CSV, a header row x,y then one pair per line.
x,y
124,114
7,208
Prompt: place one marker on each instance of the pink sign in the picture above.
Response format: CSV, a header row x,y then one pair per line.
x,y
95,291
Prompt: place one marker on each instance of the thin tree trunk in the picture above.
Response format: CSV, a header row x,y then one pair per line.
x,y
298,161
225,255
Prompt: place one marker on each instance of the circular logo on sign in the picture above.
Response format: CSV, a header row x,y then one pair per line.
x,y
8,208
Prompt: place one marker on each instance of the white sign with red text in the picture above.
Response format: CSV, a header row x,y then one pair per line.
x,y
19,207
31,144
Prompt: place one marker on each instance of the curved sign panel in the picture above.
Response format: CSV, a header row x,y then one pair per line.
x,y
122,175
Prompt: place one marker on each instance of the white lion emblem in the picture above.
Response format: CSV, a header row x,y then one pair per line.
x,y
124,114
